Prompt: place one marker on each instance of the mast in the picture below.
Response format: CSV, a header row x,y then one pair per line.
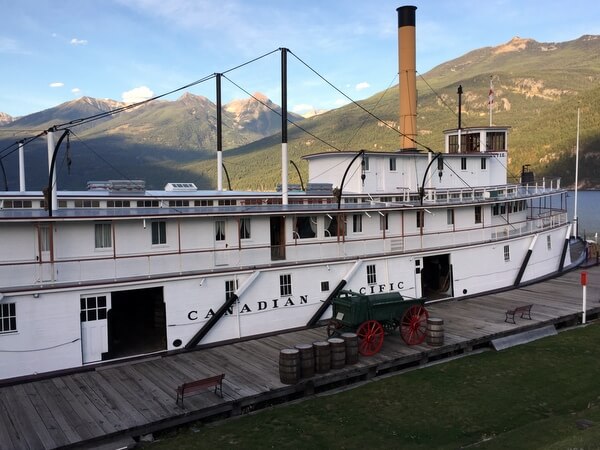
x,y
459,92
219,135
21,167
407,76
52,194
284,136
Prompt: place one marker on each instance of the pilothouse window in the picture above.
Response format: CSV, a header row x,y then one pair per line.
x,y
495,141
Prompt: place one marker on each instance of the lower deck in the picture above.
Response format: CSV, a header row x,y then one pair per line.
x,y
135,398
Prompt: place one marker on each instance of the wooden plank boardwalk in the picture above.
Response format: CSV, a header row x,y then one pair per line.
x,y
138,397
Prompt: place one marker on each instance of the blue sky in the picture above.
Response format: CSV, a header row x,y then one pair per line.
x,y
55,51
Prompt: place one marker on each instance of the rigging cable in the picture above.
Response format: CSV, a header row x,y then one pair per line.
x,y
279,114
374,108
358,104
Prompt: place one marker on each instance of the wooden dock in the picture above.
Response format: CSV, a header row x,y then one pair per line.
x,y
134,398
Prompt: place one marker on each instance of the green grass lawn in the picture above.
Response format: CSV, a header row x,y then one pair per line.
x,y
528,397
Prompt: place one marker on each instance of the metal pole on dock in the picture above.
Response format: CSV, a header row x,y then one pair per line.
x,y
584,285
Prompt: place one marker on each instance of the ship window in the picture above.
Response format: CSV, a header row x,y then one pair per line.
x,y
453,143
227,202
8,317
93,308
203,202
324,286
470,142
117,204
507,253
357,223
285,285
159,232
495,141
549,242
17,204
178,203
230,288
463,163
333,225
478,214
371,274
483,164
103,235
450,216
220,230
87,204
147,203
384,222
245,228
305,227
365,163
495,209
392,164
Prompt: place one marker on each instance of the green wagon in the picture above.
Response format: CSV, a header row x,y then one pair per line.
x,y
372,316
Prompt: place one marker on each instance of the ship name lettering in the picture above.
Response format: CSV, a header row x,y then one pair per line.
x,y
261,305
379,288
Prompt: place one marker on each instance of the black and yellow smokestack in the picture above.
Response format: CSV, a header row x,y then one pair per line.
x,y
407,76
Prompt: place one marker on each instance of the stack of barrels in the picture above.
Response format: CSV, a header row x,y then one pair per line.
x,y
304,360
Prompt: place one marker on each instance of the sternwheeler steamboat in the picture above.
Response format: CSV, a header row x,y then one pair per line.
x,y
118,271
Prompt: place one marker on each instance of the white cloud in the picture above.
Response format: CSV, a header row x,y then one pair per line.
x,y
56,84
75,90
76,41
137,94
361,86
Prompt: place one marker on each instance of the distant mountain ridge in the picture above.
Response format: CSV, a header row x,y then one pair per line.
x,y
538,88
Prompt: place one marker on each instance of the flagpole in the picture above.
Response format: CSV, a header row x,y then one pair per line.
x,y
575,218
491,99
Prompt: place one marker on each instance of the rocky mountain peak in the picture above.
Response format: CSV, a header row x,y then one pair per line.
x,y
516,44
5,119
189,99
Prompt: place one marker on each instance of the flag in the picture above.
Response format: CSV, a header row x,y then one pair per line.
x,y
491,94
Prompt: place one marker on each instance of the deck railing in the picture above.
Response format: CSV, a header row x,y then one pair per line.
x,y
34,274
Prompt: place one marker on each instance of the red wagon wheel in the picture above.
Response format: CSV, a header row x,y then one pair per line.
x,y
370,337
413,325
333,327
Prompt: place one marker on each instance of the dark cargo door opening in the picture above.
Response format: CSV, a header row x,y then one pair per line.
x,y
136,323
436,277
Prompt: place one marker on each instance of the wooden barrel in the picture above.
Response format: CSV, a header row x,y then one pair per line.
x,y
351,341
338,352
307,360
289,365
322,356
435,331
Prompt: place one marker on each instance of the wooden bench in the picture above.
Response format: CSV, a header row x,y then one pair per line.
x,y
192,387
525,312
